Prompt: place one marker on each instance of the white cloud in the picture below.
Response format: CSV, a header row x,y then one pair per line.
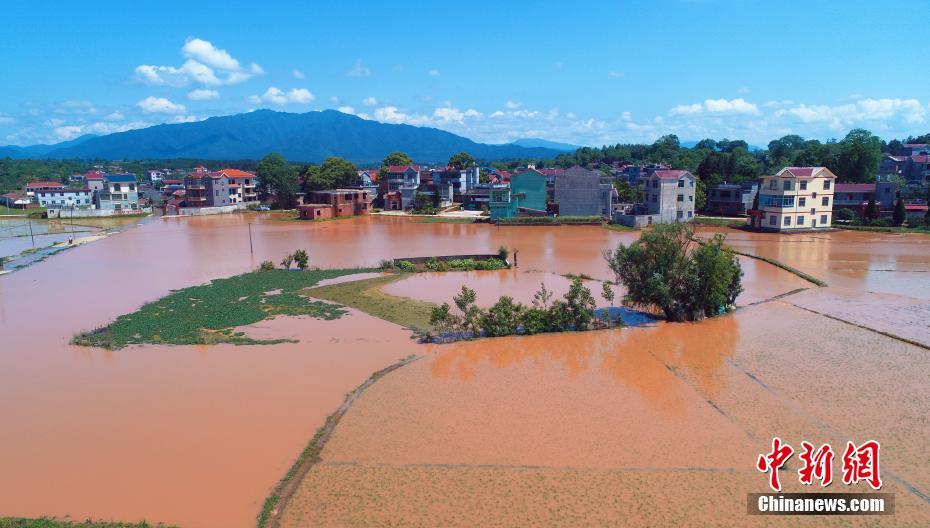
x,y
434,73
7,119
160,105
370,101
391,114
66,132
716,106
513,105
743,90
448,114
115,116
276,96
206,64
359,70
201,94
615,74
346,109
297,74
864,111
75,107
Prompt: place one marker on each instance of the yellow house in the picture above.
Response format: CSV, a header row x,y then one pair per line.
x,y
796,198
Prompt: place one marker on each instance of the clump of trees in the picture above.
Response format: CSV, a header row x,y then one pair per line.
x,y
300,257
575,311
669,271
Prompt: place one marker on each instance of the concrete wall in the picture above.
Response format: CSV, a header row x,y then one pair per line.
x,y
95,213
202,211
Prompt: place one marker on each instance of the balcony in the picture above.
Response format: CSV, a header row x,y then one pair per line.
x,y
195,198
199,186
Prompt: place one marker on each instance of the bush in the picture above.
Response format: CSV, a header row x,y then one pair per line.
x,y
880,222
502,319
266,266
386,264
845,213
660,270
535,320
301,257
406,265
503,253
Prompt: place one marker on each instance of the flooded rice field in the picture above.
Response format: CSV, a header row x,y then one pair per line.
x,y
649,426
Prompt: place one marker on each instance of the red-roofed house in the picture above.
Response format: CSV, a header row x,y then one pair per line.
x,y
246,182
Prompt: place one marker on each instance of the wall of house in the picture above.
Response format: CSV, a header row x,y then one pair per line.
x,y
806,207
578,193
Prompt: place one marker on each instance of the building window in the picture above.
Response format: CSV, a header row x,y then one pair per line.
x,y
801,220
681,197
823,219
786,185
826,185
825,201
681,183
681,214
787,220
690,197
803,185
773,220
690,214
802,201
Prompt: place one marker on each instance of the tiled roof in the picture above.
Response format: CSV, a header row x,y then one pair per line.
x,y
855,187
121,178
45,184
670,174
920,159
804,172
236,173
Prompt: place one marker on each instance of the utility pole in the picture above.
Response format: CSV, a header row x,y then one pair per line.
x,y
515,252
250,239
31,235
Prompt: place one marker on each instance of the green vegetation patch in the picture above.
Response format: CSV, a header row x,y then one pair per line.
x,y
715,221
443,220
206,314
550,220
8,522
368,296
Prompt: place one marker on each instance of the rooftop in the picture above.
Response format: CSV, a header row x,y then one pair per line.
x,y
45,184
121,178
670,174
855,187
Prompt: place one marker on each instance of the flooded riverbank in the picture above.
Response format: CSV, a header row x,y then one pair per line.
x,y
198,435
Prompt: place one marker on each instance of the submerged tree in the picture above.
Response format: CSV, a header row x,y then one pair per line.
x,y
301,258
663,270
900,212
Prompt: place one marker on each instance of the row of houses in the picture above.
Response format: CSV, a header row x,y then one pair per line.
x,y
99,194
205,192
911,162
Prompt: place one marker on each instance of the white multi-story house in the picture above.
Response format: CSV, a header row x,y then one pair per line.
x,y
66,198
796,198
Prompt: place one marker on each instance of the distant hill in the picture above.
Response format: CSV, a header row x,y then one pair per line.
x,y
544,143
40,151
308,137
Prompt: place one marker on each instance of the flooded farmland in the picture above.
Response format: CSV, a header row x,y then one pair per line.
x,y
564,429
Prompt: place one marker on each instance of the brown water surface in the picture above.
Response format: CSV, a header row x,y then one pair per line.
x,y
197,436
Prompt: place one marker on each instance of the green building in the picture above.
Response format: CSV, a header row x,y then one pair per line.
x,y
526,193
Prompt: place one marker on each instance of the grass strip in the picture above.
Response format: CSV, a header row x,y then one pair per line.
x,y
19,522
208,313
715,221
884,229
272,509
806,276
368,296
442,220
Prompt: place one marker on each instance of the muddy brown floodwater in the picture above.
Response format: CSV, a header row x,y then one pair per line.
x,y
566,429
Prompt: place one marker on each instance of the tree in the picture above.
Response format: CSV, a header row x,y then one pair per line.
x,y
301,257
872,210
859,155
900,213
661,270
287,261
465,302
462,160
844,213
396,158
579,305
607,293
442,320
700,196
334,173
501,319
279,179
542,297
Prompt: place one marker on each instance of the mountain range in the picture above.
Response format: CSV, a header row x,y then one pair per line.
x,y
307,137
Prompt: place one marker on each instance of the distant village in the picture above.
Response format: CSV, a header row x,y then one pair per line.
x,y
794,198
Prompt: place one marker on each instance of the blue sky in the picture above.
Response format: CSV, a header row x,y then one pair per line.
x,y
582,72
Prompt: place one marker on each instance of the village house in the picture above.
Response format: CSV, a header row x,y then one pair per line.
x,y
16,200
34,187
525,195
66,198
856,196
335,203
670,197
242,185
728,199
582,192
93,180
207,189
119,193
796,198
